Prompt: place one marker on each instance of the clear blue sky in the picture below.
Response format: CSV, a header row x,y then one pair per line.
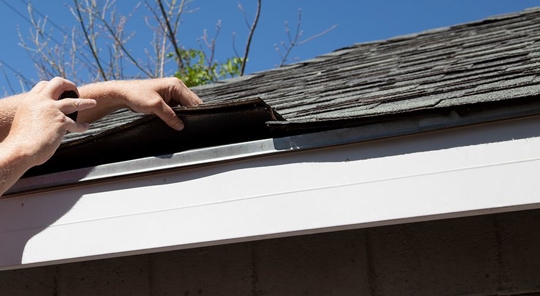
x,y
357,21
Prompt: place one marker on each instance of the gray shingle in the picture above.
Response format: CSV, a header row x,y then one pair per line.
x,y
486,61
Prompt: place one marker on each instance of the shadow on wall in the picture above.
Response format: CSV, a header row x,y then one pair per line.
x,y
23,217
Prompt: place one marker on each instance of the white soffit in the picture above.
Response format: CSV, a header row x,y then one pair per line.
x,y
458,172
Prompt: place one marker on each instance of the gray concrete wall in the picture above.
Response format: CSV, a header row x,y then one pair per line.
x,y
486,255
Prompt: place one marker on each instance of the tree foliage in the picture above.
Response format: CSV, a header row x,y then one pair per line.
x,y
196,71
98,48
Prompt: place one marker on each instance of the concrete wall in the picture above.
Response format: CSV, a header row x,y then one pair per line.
x,y
485,255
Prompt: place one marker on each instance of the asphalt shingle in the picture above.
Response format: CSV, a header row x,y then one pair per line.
x,y
486,61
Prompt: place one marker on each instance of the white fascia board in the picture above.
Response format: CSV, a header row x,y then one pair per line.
x,y
458,172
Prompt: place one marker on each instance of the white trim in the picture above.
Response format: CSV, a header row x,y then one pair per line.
x,y
453,173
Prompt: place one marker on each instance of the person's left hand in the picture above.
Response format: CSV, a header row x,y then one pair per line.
x,y
149,96
157,96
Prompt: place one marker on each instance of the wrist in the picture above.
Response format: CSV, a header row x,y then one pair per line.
x,y
14,162
8,107
108,94
109,98
17,154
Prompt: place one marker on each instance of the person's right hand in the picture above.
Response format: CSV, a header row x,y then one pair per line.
x,y
40,121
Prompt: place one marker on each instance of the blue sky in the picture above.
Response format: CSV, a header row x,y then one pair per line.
x,y
357,21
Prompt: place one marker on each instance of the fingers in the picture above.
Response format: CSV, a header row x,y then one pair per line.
x,y
189,98
167,114
55,87
76,127
179,94
68,106
182,94
39,86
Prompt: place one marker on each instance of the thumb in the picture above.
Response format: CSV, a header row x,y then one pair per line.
x,y
77,127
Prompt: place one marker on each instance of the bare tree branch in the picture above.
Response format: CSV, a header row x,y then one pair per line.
x,y
114,33
234,44
250,37
172,33
209,45
99,45
6,77
90,44
294,42
162,50
241,8
317,35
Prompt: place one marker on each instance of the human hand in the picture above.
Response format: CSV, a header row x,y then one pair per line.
x,y
40,123
157,96
149,96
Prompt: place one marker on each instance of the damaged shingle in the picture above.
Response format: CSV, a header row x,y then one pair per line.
x,y
477,63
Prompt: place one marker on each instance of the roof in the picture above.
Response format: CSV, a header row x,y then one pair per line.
x,y
456,68
491,60
344,149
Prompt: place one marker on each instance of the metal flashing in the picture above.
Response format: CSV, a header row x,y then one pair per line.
x,y
206,125
303,136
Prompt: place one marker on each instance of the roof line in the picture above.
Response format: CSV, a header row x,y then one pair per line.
x,y
233,152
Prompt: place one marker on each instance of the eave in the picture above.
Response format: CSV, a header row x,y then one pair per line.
x,y
441,124
376,174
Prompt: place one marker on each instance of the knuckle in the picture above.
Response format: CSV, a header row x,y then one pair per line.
x,y
171,114
75,103
57,79
40,85
61,118
174,82
155,104
180,82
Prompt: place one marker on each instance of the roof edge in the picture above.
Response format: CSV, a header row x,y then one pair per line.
x,y
333,136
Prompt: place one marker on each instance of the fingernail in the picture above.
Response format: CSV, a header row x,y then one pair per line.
x,y
180,125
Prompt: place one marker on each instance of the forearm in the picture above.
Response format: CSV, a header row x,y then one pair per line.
x,y
108,95
109,98
8,107
13,164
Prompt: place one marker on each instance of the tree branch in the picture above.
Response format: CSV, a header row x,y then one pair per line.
x,y
92,48
248,43
293,42
123,48
317,35
171,34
